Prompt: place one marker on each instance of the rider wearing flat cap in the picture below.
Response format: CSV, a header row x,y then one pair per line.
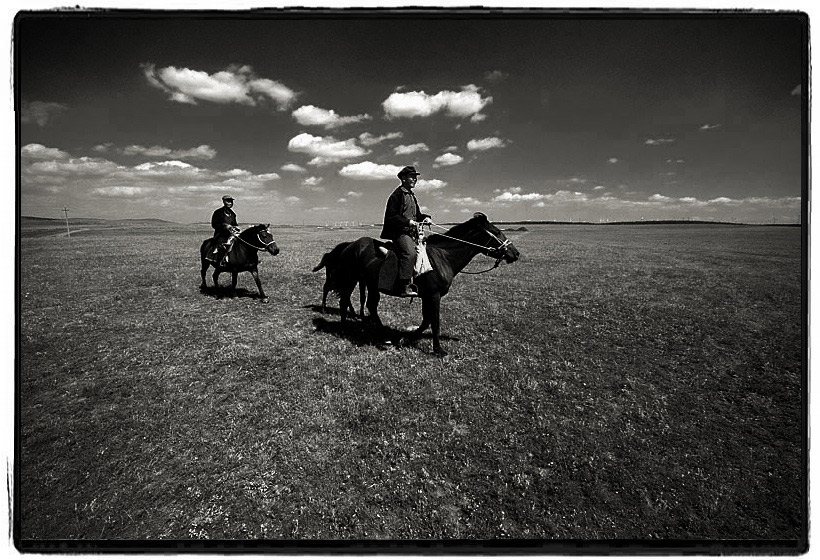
x,y
402,217
223,221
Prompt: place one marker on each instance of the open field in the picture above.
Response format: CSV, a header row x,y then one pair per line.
x,y
618,382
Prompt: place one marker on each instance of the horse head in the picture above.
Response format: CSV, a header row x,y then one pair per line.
x,y
261,238
498,246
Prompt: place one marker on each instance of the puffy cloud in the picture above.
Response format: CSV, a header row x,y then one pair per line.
x,y
310,115
234,85
121,191
447,159
708,126
293,167
613,160
354,194
38,151
368,139
465,103
496,76
200,152
659,198
485,144
325,150
370,171
430,184
658,141
411,149
40,112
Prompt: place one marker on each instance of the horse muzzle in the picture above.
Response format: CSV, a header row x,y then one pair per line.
x,y
273,249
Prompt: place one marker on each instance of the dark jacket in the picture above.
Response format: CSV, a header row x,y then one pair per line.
x,y
402,207
221,220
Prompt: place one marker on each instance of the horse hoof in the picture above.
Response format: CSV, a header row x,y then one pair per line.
x,y
440,352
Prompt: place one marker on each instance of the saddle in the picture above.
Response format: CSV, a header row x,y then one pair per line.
x,y
390,267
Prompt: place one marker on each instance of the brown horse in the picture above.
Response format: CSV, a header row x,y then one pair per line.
x,y
329,262
449,253
243,257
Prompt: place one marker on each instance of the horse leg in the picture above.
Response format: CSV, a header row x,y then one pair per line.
x,y
255,274
234,278
205,266
215,278
373,303
344,304
325,290
435,322
362,297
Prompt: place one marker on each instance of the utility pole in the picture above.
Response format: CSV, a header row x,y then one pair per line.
x,y
65,211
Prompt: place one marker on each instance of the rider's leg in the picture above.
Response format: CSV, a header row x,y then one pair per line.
x,y
405,248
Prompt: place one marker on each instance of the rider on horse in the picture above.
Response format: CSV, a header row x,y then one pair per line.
x,y
401,220
225,230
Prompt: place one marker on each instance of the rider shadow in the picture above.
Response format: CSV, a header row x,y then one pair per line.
x,y
364,333
224,292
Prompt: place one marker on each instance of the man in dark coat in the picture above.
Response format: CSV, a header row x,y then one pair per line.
x,y
223,221
402,217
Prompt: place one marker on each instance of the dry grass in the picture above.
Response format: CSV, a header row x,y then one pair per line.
x,y
617,383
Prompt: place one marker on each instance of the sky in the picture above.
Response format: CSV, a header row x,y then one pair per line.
x,y
307,118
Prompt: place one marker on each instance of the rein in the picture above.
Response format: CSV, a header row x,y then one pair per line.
x,y
502,245
263,248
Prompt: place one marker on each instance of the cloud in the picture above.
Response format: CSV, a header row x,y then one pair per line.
x,y
709,126
659,198
325,150
200,152
485,144
447,159
427,185
613,160
38,151
465,103
41,112
411,149
353,194
310,115
368,139
496,76
658,141
312,184
235,85
370,171
120,191
293,167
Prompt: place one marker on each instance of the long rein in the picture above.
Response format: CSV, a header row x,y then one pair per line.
x,y
265,245
502,245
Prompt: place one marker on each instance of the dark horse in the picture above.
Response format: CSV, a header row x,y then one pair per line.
x,y
449,253
330,261
243,257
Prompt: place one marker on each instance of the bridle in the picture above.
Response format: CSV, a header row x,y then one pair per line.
x,y
264,245
489,251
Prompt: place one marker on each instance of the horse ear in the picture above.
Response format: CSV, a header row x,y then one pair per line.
x,y
267,226
480,215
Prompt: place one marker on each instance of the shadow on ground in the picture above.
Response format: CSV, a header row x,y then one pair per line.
x,y
365,333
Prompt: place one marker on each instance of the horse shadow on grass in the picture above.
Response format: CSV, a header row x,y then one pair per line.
x,y
224,292
363,332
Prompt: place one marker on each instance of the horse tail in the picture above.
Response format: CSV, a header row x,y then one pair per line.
x,y
322,263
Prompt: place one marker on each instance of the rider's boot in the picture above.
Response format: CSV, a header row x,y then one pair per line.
x,y
405,288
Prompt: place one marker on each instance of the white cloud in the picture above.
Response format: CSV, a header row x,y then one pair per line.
x,y
354,194
465,103
122,191
40,112
38,151
484,144
370,171
368,139
447,159
312,182
659,198
496,76
708,126
310,115
293,167
430,185
325,149
613,160
200,152
411,149
293,199
658,141
234,85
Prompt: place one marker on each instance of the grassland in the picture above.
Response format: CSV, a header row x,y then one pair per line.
x,y
618,382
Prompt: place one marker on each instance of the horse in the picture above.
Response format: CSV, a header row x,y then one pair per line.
x,y
243,257
329,262
449,253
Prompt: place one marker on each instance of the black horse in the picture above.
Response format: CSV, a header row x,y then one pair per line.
x,y
449,253
330,261
243,257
